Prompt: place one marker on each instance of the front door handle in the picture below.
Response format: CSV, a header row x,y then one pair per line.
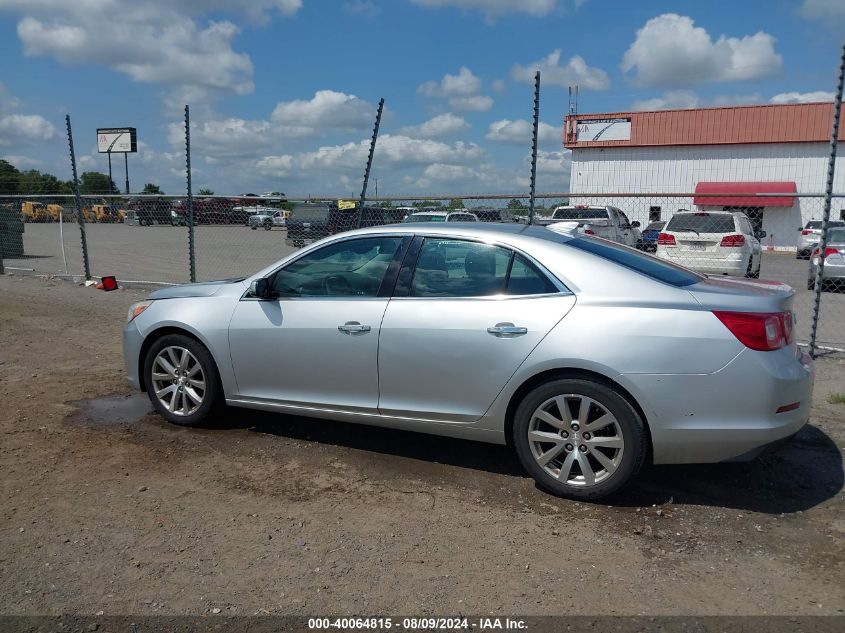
x,y
506,330
353,327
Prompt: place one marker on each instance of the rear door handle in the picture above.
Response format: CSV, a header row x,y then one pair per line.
x,y
507,330
353,327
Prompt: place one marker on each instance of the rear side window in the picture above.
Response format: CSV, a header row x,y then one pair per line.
x,y
702,223
581,214
647,265
459,268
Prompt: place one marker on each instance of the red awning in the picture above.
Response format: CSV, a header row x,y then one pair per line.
x,y
745,194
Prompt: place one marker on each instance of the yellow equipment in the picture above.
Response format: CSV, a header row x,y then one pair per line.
x,y
55,212
34,212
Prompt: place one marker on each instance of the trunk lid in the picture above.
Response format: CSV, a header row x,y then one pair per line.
x,y
742,295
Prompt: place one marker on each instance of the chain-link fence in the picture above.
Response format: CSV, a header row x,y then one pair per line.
x,y
145,238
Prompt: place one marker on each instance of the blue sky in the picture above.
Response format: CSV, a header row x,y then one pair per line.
x,y
283,94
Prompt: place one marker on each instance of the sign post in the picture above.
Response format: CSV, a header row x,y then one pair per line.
x,y
117,140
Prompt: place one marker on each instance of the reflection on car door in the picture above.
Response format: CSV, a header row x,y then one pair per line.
x,y
452,337
316,345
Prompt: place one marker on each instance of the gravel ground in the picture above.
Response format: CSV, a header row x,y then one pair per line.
x,y
160,254
106,508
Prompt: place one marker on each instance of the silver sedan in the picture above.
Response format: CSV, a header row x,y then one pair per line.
x,y
833,273
585,356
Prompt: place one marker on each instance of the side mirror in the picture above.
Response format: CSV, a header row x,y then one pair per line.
x,y
761,235
635,224
260,288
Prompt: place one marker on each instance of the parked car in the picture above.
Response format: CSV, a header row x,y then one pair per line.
x,y
648,240
833,274
712,242
607,222
592,358
810,236
312,221
442,216
149,211
494,215
266,218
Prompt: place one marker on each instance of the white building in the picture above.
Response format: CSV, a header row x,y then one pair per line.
x,y
710,158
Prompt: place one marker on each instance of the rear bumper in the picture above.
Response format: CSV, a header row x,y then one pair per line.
x,y
833,270
690,424
733,264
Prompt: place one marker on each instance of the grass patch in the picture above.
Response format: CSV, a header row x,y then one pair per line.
x,y
836,398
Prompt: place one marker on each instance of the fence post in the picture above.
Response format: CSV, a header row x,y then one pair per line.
x,y
534,147
828,194
370,161
80,217
192,262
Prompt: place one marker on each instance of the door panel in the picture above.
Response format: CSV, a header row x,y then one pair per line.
x,y
292,351
438,361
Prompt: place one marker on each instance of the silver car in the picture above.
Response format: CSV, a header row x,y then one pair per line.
x,y
810,235
587,357
833,273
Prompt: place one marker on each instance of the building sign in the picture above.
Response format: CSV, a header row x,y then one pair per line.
x,y
603,130
117,140
345,205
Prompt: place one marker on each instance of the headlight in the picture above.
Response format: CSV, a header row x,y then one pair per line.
x,y
137,308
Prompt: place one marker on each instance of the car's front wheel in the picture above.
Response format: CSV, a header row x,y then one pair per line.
x,y
181,379
579,438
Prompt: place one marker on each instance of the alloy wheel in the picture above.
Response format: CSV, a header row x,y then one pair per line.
x,y
178,380
576,440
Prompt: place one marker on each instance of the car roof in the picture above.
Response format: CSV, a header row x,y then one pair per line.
x,y
687,212
430,213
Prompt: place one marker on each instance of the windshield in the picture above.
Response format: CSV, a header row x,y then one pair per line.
x,y
419,217
593,213
309,214
702,223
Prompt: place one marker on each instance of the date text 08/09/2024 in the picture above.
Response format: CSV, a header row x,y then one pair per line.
x,y
416,624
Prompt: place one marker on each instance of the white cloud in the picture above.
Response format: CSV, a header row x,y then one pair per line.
x,y
463,91
802,97
823,10
670,50
498,85
366,8
556,163
441,125
687,99
449,173
494,8
22,162
575,71
230,137
327,110
519,132
475,103
18,129
157,41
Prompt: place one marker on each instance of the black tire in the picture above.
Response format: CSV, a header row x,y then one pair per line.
x,y
254,228
630,425
213,396
748,273
811,284
267,226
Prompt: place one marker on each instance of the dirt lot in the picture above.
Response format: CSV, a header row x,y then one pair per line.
x,y
107,508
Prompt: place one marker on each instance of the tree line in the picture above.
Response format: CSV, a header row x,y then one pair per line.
x,y
15,182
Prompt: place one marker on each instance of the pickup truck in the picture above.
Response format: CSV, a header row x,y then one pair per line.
x,y
265,217
607,222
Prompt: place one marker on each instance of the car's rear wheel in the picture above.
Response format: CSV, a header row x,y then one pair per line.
x,y
579,438
182,380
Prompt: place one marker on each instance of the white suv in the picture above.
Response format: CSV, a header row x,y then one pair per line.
x,y
712,242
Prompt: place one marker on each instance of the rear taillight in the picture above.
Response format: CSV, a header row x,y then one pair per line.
x,y
331,229
733,241
827,251
761,331
589,232
806,232
666,239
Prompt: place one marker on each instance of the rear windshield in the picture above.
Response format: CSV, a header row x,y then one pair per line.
x,y
702,223
655,226
581,214
647,265
461,217
309,213
836,236
416,217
